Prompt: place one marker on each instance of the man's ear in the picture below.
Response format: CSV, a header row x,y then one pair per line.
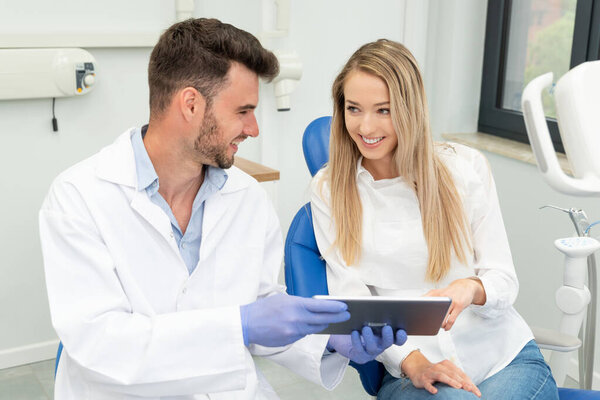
x,y
191,104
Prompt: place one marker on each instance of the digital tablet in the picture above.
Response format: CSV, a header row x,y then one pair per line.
x,y
416,315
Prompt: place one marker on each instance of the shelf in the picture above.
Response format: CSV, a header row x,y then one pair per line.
x,y
256,170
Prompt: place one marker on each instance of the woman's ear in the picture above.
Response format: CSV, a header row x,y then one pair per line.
x,y
191,104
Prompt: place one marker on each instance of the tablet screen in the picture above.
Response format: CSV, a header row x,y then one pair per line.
x,y
416,315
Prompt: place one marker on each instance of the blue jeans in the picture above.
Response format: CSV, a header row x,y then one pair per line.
x,y
526,377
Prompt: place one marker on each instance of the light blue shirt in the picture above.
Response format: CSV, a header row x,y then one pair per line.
x,y
147,179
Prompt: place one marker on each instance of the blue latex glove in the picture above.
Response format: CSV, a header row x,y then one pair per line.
x,y
364,348
280,319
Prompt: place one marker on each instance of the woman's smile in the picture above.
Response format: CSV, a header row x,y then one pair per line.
x,y
371,142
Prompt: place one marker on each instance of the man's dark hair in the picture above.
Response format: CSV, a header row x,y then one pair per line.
x,y
198,53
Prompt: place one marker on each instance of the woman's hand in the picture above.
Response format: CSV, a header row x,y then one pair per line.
x,y
423,374
463,292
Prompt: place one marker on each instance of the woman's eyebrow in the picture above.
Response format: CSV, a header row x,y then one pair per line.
x,y
383,103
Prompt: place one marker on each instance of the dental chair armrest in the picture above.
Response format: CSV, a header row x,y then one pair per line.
x,y
554,340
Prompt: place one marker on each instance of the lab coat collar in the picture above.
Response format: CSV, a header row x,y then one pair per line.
x,y
116,164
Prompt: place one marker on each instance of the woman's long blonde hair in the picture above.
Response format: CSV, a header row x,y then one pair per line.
x,y
444,223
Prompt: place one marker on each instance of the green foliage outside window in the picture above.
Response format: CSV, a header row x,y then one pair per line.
x,y
550,50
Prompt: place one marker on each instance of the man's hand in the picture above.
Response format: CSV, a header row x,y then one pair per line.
x,y
280,319
364,347
423,374
463,292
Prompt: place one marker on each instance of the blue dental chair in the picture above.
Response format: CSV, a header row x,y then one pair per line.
x,y
305,268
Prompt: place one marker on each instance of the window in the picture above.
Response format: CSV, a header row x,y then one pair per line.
x,y
524,39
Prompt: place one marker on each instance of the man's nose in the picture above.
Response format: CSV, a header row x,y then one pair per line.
x,y
251,126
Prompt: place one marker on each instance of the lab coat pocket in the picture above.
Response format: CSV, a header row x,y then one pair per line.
x,y
238,272
96,395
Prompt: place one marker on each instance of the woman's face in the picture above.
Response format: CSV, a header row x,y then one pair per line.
x,y
368,119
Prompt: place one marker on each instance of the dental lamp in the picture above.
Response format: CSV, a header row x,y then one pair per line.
x,y
290,72
577,104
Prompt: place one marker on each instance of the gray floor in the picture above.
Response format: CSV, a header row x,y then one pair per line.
x,y
36,382
28,382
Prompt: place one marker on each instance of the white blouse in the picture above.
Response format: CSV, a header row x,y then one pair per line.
x,y
484,339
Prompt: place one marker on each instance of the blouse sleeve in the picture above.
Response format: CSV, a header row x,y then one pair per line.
x,y
493,262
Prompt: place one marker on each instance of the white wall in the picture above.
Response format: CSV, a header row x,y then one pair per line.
x,y
455,56
324,34
31,154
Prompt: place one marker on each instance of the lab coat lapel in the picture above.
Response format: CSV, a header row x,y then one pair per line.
x,y
214,209
153,215
117,165
221,202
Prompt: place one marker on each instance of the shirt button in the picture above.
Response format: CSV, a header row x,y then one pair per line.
x,y
182,245
154,184
184,290
171,234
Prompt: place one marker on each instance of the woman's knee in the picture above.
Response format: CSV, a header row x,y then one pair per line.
x,y
449,393
526,377
404,389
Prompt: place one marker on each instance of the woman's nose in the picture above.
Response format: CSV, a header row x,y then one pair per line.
x,y
366,126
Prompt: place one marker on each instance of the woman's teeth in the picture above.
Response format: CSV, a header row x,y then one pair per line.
x,y
371,141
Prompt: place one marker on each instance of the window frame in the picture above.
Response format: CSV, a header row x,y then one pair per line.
x,y
498,121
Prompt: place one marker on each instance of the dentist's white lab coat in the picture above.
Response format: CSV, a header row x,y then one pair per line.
x,y
134,323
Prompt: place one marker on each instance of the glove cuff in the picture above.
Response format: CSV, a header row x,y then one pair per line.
x,y
329,346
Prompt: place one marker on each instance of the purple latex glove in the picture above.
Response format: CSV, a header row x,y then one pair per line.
x,y
364,347
281,319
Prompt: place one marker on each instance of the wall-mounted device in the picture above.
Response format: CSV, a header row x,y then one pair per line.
x,y
290,72
281,15
290,66
45,73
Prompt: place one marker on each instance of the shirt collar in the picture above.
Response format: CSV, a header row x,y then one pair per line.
x,y
215,176
147,177
360,170
366,175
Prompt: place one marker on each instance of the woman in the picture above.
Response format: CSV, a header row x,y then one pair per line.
x,y
397,215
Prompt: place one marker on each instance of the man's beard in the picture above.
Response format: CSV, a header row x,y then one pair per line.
x,y
208,143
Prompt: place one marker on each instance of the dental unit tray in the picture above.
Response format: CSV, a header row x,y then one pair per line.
x,y
416,315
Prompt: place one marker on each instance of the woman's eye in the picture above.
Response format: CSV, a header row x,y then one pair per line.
x,y
352,109
384,111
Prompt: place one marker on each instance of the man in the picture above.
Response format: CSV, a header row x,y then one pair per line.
x,y
162,259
